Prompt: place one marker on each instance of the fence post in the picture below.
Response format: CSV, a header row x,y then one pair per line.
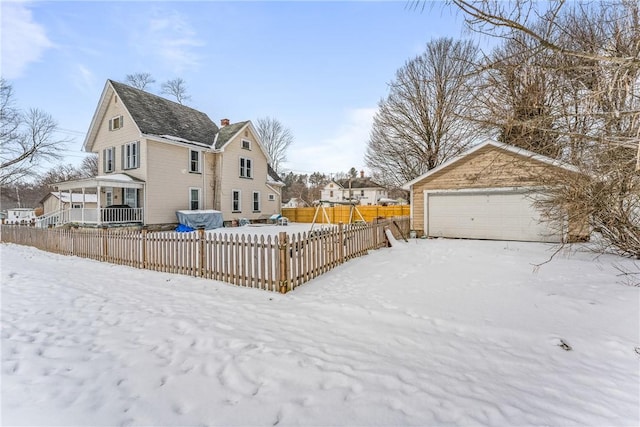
x,y
105,247
201,249
283,245
144,248
341,242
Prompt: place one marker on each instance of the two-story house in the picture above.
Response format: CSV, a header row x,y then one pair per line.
x,y
361,190
157,157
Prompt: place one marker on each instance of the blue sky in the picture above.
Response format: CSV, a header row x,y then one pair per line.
x,y
320,68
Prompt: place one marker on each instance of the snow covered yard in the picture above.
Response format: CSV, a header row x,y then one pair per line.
x,y
430,332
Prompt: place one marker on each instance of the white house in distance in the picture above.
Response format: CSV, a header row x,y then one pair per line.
x,y
362,190
22,216
295,202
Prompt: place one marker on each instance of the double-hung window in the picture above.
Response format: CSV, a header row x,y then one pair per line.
x,y
194,198
130,197
131,155
194,161
236,206
246,168
109,159
256,201
115,123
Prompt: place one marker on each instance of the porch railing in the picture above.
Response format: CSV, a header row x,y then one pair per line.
x,y
107,215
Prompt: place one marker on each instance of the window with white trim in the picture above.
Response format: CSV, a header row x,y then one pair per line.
x,y
256,201
194,161
272,197
236,206
109,159
131,155
246,170
131,197
115,123
108,196
246,144
76,205
194,198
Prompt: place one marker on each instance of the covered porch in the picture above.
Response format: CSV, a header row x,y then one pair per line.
x,y
120,200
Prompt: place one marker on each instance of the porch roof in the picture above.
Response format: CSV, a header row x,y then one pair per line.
x,y
120,180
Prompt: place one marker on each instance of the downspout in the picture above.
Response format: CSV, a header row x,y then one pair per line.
x,y
204,179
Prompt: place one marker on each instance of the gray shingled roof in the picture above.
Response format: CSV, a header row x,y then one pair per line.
x,y
358,183
155,115
273,174
227,132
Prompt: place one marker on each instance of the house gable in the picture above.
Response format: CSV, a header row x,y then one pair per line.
x,y
101,134
236,133
152,115
490,164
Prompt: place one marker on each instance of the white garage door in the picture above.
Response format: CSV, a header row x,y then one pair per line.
x,y
487,215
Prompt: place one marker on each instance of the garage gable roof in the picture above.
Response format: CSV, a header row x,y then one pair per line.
x,y
501,146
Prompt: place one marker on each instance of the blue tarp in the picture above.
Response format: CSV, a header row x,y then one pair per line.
x,y
207,219
181,228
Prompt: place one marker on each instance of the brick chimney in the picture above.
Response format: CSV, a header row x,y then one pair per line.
x,y
361,174
224,122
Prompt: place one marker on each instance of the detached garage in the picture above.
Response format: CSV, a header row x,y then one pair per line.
x,y
488,192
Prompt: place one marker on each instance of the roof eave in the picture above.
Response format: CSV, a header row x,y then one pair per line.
x,y
506,147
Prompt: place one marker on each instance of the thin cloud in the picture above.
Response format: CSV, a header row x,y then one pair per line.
x,y
173,39
85,80
340,152
23,40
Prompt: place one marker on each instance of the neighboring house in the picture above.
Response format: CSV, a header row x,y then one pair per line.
x,y
361,190
157,157
489,192
20,216
59,207
57,201
295,202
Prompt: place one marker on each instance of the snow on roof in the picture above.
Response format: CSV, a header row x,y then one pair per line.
x,y
116,177
182,140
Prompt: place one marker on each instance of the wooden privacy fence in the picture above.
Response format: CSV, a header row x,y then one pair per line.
x,y
274,263
341,213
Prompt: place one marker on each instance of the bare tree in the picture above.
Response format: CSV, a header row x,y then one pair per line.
x,y
601,40
140,80
89,166
59,173
516,96
424,119
276,139
26,139
176,88
590,54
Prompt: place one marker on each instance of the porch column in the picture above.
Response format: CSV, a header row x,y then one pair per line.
x,y
83,194
98,193
70,207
